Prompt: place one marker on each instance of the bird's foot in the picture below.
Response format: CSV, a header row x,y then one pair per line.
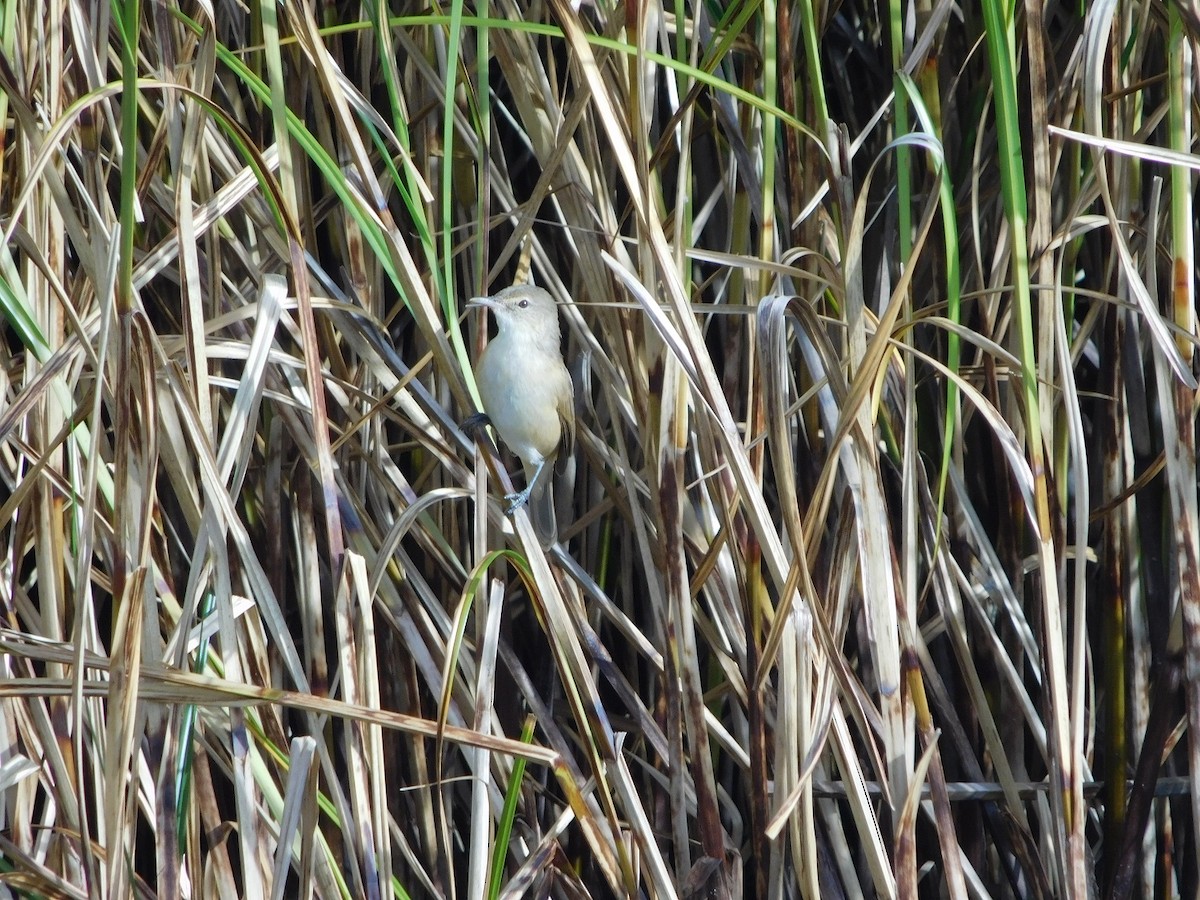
x,y
516,500
475,423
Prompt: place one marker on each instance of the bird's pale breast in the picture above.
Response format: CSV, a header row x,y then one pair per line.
x,y
522,399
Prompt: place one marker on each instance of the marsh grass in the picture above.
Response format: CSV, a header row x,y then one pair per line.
x,y
878,572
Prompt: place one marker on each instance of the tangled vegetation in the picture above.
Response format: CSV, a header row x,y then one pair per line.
x,y
879,558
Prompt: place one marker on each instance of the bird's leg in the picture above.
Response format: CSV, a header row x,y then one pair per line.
x,y
518,499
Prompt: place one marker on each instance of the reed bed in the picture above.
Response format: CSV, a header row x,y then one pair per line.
x,y
879,558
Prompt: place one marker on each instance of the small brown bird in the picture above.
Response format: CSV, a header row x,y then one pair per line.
x,y
527,394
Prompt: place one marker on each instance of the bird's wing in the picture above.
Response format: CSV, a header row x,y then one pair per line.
x,y
566,421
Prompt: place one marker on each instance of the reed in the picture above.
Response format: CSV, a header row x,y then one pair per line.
x,y
879,570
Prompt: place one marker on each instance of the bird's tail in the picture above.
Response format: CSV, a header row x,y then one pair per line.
x,y
541,509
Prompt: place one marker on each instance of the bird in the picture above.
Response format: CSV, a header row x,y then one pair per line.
x,y
528,395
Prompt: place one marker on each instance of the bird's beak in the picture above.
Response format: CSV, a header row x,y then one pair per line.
x,y
483,302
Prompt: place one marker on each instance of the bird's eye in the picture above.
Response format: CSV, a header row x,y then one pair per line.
x,y
523,304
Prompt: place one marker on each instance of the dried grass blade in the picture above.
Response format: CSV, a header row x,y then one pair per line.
x,y
299,811
481,762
